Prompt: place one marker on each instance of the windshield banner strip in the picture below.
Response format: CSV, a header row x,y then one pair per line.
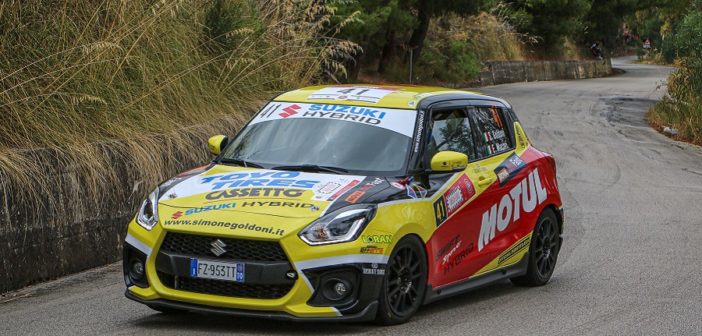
x,y
400,121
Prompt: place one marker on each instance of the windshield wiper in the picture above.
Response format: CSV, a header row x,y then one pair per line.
x,y
241,162
312,167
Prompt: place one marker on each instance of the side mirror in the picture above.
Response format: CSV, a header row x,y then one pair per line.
x,y
217,143
448,162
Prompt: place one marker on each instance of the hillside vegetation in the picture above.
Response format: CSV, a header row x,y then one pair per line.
x,y
87,84
142,82
681,109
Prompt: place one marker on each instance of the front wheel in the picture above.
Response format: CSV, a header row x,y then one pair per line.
x,y
405,282
543,252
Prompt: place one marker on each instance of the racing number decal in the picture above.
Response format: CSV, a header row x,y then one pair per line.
x,y
366,94
440,210
453,199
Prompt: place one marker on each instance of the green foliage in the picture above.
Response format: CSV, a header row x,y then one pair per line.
x,y
683,108
688,39
447,61
548,20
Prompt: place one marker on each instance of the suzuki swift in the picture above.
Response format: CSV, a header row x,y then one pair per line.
x,y
350,203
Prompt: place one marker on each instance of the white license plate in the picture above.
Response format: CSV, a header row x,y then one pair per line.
x,y
210,269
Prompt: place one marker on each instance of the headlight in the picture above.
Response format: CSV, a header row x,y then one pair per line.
x,y
340,226
148,214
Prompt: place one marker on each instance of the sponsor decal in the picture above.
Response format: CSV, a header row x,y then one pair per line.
x,y
254,192
261,178
418,132
523,198
369,112
358,193
230,225
495,141
512,251
263,183
508,168
177,214
373,271
397,185
453,199
372,250
377,239
328,187
400,121
453,253
289,111
368,94
276,204
456,257
342,116
343,189
205,209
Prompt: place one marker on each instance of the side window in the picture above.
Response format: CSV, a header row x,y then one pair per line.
x,y
491,132
451,131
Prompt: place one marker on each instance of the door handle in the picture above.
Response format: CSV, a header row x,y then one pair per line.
x,y
485,180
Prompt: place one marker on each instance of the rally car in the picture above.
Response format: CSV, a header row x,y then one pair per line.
x,y
350,203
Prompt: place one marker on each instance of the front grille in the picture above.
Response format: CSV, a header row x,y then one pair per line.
x,y
237,249
225,288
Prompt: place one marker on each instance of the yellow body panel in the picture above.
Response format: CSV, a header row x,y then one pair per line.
x,y
394,96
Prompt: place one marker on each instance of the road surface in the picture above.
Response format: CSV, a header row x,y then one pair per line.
x,y
631,262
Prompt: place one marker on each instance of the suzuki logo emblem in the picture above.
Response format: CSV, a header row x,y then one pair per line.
x,y
218,247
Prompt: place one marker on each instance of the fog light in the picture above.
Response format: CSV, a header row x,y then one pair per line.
x,y
137,269
340,288
336,289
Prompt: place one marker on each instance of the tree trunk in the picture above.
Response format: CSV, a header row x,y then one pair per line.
x,y
388,50
419,34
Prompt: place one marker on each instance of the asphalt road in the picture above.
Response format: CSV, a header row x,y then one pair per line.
x,y
630,265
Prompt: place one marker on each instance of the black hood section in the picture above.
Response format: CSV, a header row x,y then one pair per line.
x,y
375,190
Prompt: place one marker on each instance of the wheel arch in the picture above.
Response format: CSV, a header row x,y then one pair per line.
x,y
559,215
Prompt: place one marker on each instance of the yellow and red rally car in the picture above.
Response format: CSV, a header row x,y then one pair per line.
x,y
350,203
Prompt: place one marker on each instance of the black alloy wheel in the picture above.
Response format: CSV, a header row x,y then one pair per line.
x,y
405,282
543,252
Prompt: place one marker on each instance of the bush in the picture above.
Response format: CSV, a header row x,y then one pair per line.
x,y
682,109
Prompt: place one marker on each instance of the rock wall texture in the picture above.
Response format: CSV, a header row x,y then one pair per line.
x,y
502,72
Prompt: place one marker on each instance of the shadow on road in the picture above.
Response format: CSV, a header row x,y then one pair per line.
x,y
219,323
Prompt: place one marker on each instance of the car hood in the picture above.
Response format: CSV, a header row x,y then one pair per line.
x,y
257,203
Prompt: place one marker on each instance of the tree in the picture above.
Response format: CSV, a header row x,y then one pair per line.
x,y
548,20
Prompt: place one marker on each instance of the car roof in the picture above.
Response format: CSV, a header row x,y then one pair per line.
x,y
387,96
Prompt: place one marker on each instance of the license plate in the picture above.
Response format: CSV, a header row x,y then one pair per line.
x,y
217,270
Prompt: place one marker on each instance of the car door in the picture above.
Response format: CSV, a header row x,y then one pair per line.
x,y
482,133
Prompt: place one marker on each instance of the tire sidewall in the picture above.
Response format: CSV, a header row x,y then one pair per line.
x,y
386,315
533,267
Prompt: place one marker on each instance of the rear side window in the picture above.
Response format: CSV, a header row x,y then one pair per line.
x,y
492,136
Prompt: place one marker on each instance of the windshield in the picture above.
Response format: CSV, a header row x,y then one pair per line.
x,y
367,140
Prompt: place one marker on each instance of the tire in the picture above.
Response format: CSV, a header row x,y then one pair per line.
x,y
543,251
404,283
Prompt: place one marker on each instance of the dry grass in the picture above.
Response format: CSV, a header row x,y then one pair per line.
x,y
114,96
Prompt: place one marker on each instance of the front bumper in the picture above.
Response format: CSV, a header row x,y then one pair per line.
x,y
302,298
367,314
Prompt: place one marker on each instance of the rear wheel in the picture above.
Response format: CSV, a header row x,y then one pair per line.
x,y
405,282
543,252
